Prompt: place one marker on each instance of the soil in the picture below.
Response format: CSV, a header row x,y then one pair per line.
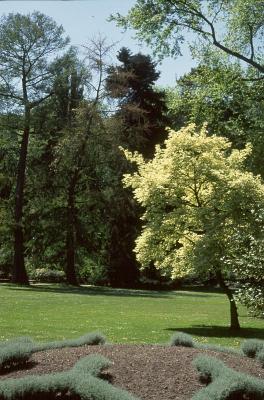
x,y
149,372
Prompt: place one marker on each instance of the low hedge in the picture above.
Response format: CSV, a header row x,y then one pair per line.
x,y
81,382
16,352
224,383
90,339
251,347
185,340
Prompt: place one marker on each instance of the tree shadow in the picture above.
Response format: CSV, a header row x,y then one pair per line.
x,y
115,292
220,331
89,291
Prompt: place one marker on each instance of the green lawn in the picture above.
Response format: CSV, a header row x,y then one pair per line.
x,y
48,312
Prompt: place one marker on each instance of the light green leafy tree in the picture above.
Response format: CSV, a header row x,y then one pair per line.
x,y
196,195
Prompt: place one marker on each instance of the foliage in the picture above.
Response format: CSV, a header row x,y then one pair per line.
x,y
28,43
47,275
189,192
247,262
185,340
82,380
235,27
15,349
140,106
15,352
217,92
88,339
224,382
252,347
181,339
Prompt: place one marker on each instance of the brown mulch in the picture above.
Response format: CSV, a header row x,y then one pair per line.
x,y
149,372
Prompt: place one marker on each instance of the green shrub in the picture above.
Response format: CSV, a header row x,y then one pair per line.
x,y
47,275
185,340
93,338
252,347
93,271
14,353
181,339
81,381
225,383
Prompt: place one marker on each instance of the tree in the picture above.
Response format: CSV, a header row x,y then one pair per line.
x,y
233,26
196,195
73,149
27,43
232,106
141,107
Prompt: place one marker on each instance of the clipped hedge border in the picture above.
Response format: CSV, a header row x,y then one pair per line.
x,y
225,383
16,352
254,348
185,340
82,382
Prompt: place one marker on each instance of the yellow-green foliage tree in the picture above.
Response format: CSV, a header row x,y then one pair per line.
x,y
196,194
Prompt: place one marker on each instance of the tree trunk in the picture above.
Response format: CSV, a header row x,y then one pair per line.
x,y
19,274
70,237
234,321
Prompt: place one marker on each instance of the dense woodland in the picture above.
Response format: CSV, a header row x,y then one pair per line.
x,y
72,125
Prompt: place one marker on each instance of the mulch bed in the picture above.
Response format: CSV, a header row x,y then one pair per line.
x,y
149,372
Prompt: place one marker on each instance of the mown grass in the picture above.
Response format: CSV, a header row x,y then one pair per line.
x,y
56,312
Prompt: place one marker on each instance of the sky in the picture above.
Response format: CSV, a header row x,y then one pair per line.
x,y
85,19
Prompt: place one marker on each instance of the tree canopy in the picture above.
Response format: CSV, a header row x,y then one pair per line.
x,y
196,195
234,26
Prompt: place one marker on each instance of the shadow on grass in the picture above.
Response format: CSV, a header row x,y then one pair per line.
x,y
115,292
220,332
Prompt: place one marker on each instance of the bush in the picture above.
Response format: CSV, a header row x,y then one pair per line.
x,y
181,339
94,338
252,347
45,275
225,383
93,272
15,352
82,381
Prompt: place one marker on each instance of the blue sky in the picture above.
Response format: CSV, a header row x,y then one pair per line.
x,y
84,19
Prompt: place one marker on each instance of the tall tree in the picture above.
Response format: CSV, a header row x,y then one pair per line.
x,y
234,26
140,106
27,43
220,94
196,194
74,146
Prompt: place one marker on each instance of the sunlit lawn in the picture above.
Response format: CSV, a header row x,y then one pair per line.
x,y
48,312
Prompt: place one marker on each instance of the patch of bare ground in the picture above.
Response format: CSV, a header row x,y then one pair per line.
x,y
149,372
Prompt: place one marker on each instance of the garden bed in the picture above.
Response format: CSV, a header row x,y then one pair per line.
x,y
149,372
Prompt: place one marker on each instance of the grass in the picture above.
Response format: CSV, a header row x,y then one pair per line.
x,y
57,312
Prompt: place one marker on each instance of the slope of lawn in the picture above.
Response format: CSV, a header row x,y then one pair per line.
x,y
48,312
